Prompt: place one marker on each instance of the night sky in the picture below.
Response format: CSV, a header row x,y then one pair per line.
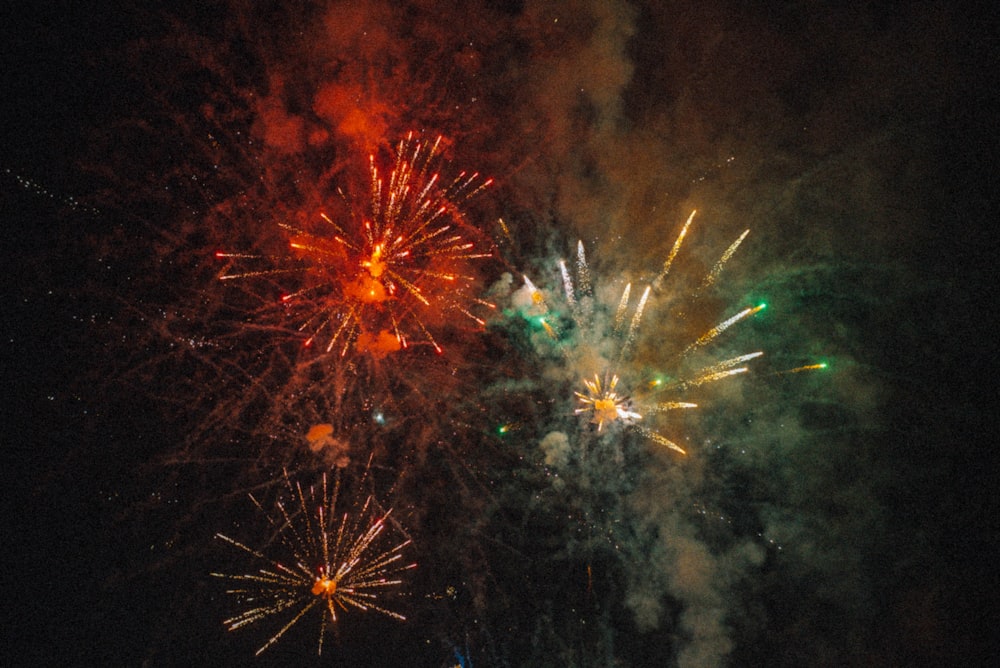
x,y
843,516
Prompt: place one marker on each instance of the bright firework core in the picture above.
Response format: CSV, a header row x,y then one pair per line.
x,y
603,403
324,586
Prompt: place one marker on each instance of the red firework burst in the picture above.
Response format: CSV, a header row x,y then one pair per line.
x,y
382,276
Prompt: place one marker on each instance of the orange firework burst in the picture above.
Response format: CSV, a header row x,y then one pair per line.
x,y
376,276
331,565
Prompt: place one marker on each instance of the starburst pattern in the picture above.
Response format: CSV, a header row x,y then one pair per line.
x,y
325,564
376,276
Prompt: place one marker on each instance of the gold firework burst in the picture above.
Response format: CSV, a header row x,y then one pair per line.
x,y
320,563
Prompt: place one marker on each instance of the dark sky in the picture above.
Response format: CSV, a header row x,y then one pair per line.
x,y
842,517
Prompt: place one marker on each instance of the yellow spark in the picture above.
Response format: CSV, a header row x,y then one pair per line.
x,y
671,405
548,329
808,367
636,318
662,440
622,308
673,251
718,375
717,269
505,230
723,326
729,363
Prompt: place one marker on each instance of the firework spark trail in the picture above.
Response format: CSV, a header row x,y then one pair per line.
x,y
717,269
633,327
674,250
333,565
714,332
376,278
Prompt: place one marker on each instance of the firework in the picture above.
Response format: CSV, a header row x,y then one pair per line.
x,y
379,278
603,403
605,397
325,564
